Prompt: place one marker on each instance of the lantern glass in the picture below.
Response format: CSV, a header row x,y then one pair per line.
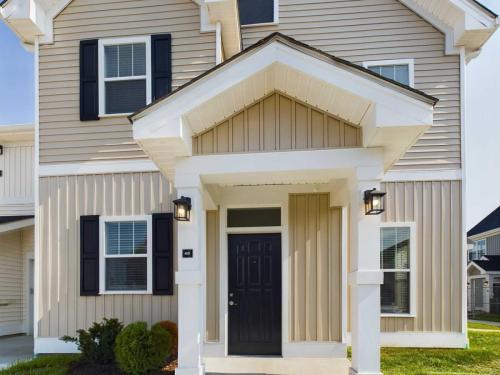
x,y
374,202
182,209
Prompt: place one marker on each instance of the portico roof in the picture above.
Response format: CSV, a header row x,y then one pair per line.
x,y
391,115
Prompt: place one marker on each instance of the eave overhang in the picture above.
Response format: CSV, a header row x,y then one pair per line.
x,y
393,116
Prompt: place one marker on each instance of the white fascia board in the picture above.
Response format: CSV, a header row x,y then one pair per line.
x,y
310,166
474,265
489,233
15,225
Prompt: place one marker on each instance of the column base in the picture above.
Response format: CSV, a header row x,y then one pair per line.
x,y
200,370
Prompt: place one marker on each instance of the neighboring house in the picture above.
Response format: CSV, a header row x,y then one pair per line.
x,y
16,229
483,270
273,122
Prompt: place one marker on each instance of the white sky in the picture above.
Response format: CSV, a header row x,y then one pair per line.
x,y
483,129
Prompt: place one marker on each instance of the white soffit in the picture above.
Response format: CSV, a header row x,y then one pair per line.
x,y
392,117
464,22
17,133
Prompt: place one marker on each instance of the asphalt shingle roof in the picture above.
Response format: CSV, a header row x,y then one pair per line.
x,y
492,221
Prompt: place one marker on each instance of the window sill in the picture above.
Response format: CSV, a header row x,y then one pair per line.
x,y
103,293
275,23
388,315
105,115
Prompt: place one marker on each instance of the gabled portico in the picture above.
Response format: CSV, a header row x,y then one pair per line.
x,y
390,118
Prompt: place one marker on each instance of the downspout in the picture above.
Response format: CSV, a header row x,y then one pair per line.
x,y
36,297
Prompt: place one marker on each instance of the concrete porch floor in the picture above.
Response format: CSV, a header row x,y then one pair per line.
x,y
15,348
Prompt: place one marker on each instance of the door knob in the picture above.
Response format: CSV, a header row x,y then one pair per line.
x,y
231,303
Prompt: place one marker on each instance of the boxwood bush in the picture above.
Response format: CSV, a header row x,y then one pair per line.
x,y
140,350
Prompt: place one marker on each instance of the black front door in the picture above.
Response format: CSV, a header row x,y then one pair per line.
x,y
254,294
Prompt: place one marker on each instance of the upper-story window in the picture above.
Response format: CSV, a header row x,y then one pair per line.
x,y
258,12
401,71
124,75
479,250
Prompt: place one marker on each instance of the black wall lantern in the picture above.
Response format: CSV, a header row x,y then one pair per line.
x,y
374,202
182,210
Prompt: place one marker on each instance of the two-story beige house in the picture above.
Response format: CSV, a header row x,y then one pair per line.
x,y
315,153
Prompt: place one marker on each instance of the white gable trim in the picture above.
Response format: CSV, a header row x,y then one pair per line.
x,y
472,264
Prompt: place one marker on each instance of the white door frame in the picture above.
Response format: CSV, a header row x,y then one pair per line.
x,y
26,293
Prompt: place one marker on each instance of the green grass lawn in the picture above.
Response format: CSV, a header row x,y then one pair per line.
x,y
487,317
482,326
483,357
43,365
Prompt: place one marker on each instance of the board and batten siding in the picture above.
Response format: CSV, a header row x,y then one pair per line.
x,y
212,276
314,268
435,207
61,309
16,183
13,247
371,30
277,122
493,245
63,138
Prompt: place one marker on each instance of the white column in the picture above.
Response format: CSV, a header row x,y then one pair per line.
x,y
189,278
365,277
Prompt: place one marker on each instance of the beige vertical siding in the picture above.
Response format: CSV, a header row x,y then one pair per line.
x,y
277,122
11,281
367,30
315,268
63,138
61,309
212,276
436,209
27,246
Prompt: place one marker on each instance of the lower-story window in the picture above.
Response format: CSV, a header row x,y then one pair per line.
x,y
126,262
396,263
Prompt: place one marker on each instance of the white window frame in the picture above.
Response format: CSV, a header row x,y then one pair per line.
x,y
409,62
412,270
101,72
475,251
102,253
275,18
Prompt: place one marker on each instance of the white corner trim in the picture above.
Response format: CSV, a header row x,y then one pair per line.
x,y
101,167
53,345
16,225
409,62
423,175
421,339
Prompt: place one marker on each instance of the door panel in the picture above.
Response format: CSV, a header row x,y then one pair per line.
x,y
254,294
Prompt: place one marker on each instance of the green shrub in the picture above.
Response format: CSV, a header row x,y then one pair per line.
x,y
98,343
140,350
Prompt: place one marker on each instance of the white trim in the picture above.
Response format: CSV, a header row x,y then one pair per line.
x,y
275,22
98,167
409,62
423,175
463,192
413,266
36,188
244,230
26,286
53,345
16,225
102,253
421,339
101,66
343,258
473,264
485,235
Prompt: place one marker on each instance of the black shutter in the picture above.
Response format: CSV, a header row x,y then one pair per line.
x,y
163,255
89,87
89,255
161,61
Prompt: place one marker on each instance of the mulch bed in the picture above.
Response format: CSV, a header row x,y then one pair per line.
x,y
82,368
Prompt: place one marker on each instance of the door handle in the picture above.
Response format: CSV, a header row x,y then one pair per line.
x,y
231,303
